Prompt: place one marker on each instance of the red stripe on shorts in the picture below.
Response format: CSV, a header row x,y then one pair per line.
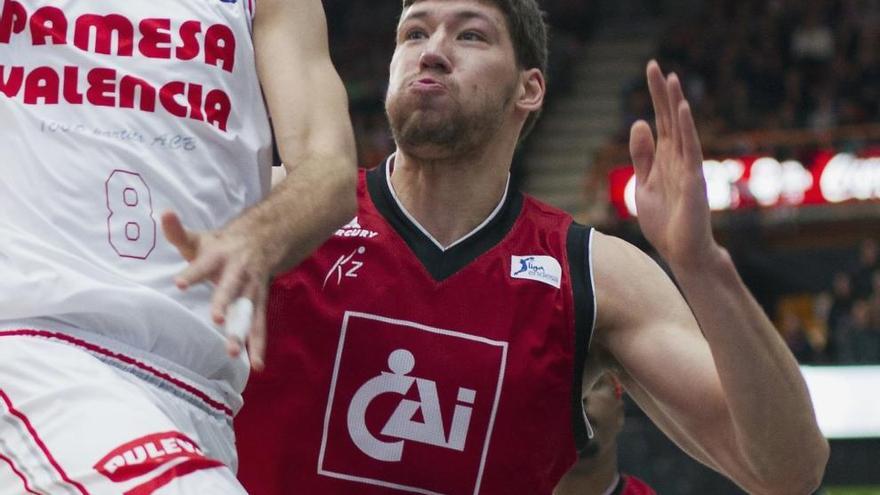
x,y
125,359
18,473
30,428
182,469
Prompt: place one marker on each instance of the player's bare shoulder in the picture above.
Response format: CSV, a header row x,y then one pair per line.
x,y
630,287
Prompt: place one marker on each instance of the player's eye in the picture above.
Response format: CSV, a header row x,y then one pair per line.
x,y
471,36
415,34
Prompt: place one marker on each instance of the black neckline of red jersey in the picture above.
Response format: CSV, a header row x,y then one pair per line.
x,y
441,264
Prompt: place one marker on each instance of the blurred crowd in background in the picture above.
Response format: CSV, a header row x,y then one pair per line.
x,y
779,64
846,326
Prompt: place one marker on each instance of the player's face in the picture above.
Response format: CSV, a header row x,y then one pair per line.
x,y
453,77
605,412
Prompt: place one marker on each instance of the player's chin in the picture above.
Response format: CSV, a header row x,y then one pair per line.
x,y
591,450
430,135
429,120
426,101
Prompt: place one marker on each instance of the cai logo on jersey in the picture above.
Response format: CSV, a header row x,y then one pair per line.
x,y
354,229
535,267
402,415
402,426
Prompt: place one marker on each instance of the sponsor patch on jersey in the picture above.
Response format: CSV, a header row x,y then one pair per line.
x,y
402,415
535,267
346,266
354,229
172,451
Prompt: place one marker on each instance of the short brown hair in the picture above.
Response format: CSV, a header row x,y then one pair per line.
x,y
528,31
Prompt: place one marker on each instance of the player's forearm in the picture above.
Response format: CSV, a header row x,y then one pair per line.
x,y
772,412
303,210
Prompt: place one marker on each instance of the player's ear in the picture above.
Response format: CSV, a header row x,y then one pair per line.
x,y
532,89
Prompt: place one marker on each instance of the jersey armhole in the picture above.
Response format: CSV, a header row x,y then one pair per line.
x,y
578,243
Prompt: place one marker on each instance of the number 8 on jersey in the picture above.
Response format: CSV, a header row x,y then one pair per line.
x,y
131,229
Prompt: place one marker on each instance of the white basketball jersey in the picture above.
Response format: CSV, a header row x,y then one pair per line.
x,y
110,113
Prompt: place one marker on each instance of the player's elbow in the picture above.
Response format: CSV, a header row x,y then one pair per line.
x,y
346,194
343,188
811,468
344,180
329,164
799,474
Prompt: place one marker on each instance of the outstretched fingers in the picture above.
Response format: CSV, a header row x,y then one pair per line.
x,y
677,138
201,269
239,299
256,341
692,150
246,325
641,150
676,96
237,325
657,86
185,241
229,287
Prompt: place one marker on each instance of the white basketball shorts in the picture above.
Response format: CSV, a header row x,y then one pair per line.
x,y
77,419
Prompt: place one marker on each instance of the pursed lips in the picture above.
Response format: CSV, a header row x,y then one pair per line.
x,y
427,84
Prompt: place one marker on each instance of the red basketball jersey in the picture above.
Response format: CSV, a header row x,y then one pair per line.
x,y
397,366
630,485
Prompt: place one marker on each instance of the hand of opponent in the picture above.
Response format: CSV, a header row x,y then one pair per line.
x,y
237,264
673,210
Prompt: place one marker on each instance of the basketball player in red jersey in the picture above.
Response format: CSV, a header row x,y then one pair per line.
x,y
596,471
438,343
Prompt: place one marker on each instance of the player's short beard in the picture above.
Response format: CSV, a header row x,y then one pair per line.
x,y
452,132
591,450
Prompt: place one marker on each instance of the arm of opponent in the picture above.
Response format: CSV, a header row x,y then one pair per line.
x,y
709,367
309,110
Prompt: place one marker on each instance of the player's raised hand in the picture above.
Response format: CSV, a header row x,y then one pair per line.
x,y
673,210
239,267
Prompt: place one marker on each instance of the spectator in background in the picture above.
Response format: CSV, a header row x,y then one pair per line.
x,y
869,72
812,42
597,472
857,341
794,332
853,313
874,301
824,114
841,299
868,264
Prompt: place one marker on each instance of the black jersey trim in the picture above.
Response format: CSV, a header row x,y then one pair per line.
x,y
441,264
621,484
579,266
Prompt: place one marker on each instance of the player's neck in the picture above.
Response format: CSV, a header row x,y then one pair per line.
x,y
450,198
596,478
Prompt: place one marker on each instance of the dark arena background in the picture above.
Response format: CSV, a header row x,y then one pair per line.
x,y
787,98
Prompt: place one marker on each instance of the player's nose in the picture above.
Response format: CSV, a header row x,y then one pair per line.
x,y
434,56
